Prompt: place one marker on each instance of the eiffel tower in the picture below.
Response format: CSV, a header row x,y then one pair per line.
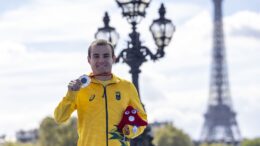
x,y
220,124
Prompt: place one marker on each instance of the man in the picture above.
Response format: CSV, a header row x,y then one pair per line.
x,y
100,106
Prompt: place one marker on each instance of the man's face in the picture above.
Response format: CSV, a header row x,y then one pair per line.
x,y
101,59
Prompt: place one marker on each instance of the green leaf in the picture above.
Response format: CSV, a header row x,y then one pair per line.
x,y
116,135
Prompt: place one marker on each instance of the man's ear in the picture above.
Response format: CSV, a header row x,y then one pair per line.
x,y
88,59
114,59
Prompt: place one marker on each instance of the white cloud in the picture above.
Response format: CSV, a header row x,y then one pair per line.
x,y
51,21
242,19
10,50
32,86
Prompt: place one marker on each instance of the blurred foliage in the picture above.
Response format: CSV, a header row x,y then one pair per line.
x,y
245,142
169,135
251,142
52,134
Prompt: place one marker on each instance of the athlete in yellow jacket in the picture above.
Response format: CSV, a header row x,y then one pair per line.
x,y
100,106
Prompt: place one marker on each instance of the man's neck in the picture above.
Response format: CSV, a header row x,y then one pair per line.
x,y
103,78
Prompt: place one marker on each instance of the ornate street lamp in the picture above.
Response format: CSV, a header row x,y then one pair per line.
x,y
162,30
133,10
135,54
107,32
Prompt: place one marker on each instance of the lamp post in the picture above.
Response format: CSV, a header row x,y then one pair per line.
x,y
135,54
107,32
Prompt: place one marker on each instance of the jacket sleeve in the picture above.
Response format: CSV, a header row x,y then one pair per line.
x,y
66,107
136,103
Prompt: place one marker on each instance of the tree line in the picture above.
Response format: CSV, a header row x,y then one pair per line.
x,y
52,134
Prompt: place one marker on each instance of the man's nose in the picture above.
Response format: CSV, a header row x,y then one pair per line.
x,y
101,60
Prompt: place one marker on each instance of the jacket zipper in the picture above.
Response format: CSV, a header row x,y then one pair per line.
x,y
105,96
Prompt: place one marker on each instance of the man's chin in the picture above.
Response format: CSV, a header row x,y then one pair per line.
x,y
104,72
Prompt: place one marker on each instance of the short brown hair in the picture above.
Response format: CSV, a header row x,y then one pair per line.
x,y
100,42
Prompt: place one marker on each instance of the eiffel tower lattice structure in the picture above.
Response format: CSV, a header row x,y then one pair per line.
x,y
220,124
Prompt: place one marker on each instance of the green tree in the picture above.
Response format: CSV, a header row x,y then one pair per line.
x,y
52,134
171,136
48,135
68,133
251,142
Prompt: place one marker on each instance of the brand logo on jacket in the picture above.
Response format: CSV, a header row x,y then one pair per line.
x,y
118,95
92,97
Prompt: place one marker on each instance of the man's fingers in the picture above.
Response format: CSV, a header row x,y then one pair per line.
x,y
74,85
78,82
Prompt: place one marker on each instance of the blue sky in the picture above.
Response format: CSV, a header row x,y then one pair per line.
x,y
43,46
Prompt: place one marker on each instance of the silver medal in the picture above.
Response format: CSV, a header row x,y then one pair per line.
x,y
85,80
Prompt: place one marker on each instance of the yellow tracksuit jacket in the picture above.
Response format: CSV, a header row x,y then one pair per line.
x,y
99,109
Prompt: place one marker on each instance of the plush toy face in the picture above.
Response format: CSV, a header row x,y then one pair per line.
x,y
131,114
131,117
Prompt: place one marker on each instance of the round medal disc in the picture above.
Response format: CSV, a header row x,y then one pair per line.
x,y
85,80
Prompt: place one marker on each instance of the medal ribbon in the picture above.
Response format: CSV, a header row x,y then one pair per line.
x,y
102,74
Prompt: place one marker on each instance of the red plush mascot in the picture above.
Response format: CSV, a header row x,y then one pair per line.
x,y
131,117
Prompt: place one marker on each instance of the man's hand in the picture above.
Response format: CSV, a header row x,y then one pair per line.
x,y
74,85
126,130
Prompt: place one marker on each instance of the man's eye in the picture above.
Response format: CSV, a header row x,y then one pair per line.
x,y
106,56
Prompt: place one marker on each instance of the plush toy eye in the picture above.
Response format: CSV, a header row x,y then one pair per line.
x,y
127,112
134,111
